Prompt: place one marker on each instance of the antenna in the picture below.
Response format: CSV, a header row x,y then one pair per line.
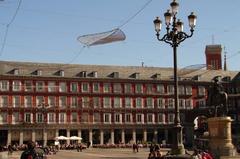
x,y
213,39
225,59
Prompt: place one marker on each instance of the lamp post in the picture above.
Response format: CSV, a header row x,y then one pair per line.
x,y
174,37
44,110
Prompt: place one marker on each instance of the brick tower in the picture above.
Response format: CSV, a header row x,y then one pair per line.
x,y
213,57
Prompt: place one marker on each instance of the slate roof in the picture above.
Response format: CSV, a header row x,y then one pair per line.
x,y
106,71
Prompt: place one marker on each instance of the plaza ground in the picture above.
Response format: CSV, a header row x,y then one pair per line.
x,y
91,153
95,153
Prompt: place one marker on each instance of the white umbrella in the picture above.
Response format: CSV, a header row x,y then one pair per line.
x,y
61,138
75,138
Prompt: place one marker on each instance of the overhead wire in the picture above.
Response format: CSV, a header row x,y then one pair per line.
x,y
120,26
7,27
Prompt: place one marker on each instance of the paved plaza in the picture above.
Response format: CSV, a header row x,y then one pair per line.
x,y
91,153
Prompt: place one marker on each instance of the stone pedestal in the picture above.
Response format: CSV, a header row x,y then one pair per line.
x,y
220,137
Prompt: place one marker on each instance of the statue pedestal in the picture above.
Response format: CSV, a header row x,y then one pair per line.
x,y
220,137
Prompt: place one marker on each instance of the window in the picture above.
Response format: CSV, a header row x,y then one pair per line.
x,y
62,117
3,117
51,87
63,101
74,87
160,103
74,117
28,117
16,101
138,88
128,88
117,88
15,118
171,118
150,103
188,90
201,103
150,118
4,101
161,118
139,102
85,87
74,102
96,87
170,103
140,118
160,88
201,90
181,90
16,86
51,101
84,118
62,87
181,103
118,118
39,118
117,102
188,104
40,86
170,89
128,102
51,118
128,118
96,118
28,101
106,88
85,102
39,100
28,86
149,88
106,102
96,102
107,117
4,85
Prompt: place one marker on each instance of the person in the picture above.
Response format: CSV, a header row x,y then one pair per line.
x,y
30,152
10,149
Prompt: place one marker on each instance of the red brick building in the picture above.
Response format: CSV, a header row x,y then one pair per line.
x,y
102,104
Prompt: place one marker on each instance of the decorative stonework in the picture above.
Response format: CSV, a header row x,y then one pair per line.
x,y
220,137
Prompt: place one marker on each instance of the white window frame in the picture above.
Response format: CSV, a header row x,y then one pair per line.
x,y
139,100
161,103
150,118
51,86
170,89
162,117
141,118
16,85
128,102
62,87
96,87
85,87
74,87
4,85
128,118
107,102
118,118
160,89
40,86
128,88
107,118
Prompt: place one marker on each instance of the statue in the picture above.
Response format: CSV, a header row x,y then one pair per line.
x,y
217,99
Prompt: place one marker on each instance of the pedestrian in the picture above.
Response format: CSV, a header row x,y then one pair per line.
x,y
10,149
30,152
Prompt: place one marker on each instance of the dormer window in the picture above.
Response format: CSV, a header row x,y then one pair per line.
x,y
156,76
39,72
94,74
115,74
16,71
83,74
61,73
135,75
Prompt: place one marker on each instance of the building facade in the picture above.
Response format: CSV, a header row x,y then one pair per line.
x,y
101,104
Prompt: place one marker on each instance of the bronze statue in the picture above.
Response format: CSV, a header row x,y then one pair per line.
x,y
217,99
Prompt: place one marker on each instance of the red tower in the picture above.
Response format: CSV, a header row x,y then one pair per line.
x,y
213,57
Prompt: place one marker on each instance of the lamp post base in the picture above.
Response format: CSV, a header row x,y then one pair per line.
x,y
177,146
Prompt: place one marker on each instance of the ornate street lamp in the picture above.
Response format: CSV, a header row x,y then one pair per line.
x,y
174,37
44,109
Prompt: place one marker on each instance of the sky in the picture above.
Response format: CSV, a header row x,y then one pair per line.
x,y
47,31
